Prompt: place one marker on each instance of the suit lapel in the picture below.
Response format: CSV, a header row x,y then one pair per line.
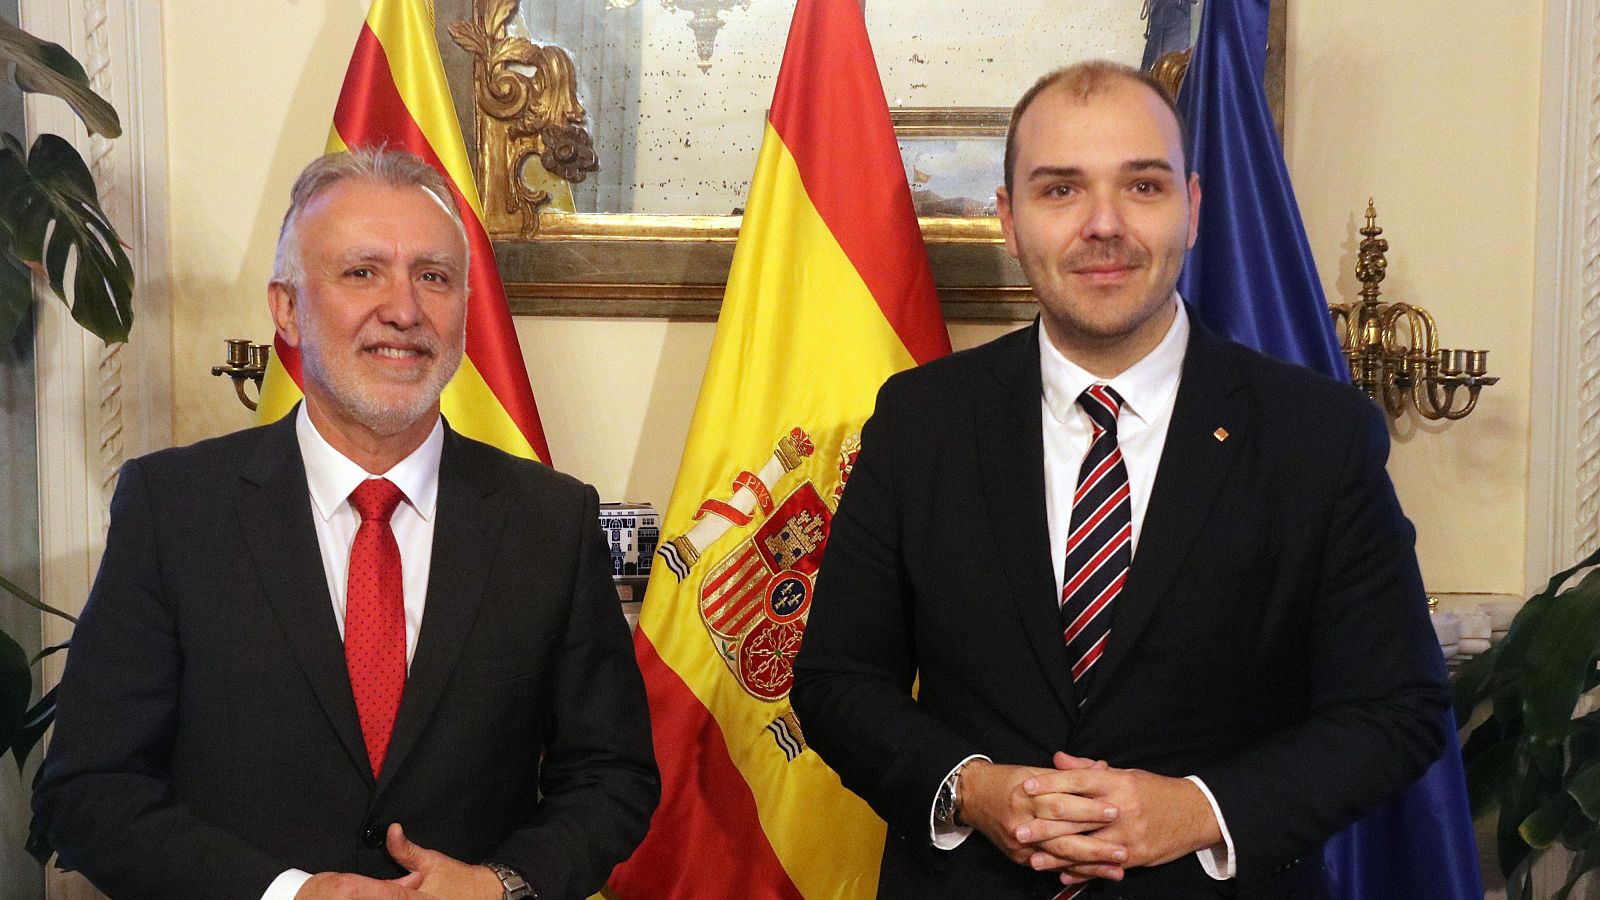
x,y
274,512
1193,466
468,520
1011,457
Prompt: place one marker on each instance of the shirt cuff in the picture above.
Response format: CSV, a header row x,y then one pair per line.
x,y
1217,859
949,837
286,885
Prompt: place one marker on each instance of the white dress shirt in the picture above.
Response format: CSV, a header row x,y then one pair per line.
x,y
331,476
1148,389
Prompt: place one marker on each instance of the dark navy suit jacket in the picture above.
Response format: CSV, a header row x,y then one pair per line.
x,y
207,737
1272,637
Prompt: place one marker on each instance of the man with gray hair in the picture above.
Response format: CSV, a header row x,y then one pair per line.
x,y
353,653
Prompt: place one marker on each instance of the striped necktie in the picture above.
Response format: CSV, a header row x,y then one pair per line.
x,y
1100,542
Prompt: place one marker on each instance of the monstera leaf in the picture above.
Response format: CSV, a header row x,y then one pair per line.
x,y
46,68
48,209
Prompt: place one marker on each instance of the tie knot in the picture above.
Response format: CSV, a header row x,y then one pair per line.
x,y
1102,404
375,499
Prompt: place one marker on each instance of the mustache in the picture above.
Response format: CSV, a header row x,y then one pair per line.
x,y
420,342
1107,253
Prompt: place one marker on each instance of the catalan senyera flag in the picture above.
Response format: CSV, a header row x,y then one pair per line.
x,y
395,93
830,293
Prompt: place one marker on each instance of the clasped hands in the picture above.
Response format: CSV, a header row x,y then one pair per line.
x,y
1084,818
431,875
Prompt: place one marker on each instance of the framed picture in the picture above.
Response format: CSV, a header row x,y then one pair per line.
x,y
953,158
613,140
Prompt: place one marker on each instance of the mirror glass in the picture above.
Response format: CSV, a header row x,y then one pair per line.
x,y
676,91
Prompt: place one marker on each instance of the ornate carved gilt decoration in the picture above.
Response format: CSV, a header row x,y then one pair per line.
x,y
1170,69
530,127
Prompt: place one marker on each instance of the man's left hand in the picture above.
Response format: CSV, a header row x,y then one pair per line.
x,y
1159,819
442,876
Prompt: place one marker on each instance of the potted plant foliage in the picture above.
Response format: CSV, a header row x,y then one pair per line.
x,y
1534,761
51,224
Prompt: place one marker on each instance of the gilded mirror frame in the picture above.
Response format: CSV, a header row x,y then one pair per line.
x,y
673,266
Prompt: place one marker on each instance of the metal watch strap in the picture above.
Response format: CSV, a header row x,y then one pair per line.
x,y
955,796
516,887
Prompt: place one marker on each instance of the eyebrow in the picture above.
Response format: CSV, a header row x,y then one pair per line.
x,y
356,255
440,261
364,255
1131,166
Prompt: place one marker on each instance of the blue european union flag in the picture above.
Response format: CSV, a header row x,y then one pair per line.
x,y
1251,277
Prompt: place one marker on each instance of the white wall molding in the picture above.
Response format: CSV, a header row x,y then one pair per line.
x,y
99,406
1564,457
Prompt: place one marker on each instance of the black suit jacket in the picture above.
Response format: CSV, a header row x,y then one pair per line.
x,y
1272,637
207,738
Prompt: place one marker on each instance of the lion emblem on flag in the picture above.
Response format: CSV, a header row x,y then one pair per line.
x,y
755,599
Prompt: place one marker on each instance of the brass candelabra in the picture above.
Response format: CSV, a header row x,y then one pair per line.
x,y
1393,348
246,361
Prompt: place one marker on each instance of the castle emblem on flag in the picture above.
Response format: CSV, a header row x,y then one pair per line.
x,y
755,598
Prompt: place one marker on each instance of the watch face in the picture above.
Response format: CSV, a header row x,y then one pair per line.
x,y
944,805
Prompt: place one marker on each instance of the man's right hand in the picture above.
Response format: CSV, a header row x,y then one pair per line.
x,y
992,800
346,886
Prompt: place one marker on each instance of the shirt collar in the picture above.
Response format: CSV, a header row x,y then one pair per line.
x,y
1146,387
331,475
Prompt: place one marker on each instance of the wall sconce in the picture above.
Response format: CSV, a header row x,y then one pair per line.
x,y
245,362
1393,348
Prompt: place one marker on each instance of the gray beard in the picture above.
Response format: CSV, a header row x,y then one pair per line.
x,y
384,419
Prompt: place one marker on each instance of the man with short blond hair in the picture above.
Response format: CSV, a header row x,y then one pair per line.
x,y
352,654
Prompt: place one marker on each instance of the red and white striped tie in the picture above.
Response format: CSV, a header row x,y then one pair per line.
x,y
1100,542
1099,548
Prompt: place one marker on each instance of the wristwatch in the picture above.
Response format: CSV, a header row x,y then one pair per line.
x,y
945,813
516,887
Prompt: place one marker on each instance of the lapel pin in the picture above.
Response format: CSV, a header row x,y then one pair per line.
x,y
1221,434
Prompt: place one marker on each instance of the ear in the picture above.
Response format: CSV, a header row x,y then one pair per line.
x,y
1194,207
282,301
1002,206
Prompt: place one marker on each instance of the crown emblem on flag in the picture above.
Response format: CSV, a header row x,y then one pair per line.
x,y
755,597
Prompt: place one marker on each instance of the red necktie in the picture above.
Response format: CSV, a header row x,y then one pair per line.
x,y
375,617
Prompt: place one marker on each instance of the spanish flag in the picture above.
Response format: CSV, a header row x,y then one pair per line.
x,y
830,293
395,93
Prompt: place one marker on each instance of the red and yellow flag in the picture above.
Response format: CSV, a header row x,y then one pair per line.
x,y
830,293
395,92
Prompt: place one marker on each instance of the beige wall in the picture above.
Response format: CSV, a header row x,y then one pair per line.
x,y
1446,147
1431,108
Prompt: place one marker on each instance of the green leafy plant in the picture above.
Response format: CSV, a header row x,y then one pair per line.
x,y
21,725
50,221
1534,762
49,209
